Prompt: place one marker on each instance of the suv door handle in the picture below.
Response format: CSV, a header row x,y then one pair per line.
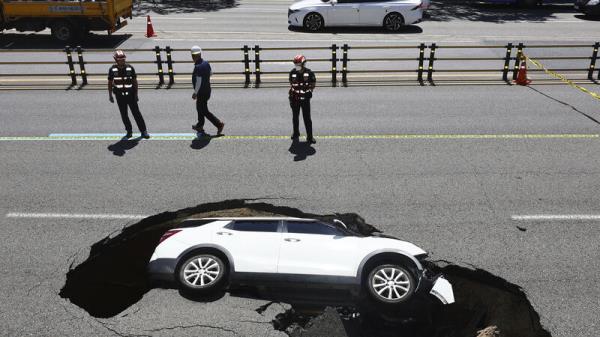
x,y
224,233
291,239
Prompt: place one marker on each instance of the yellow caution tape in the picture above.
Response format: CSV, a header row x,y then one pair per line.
x,y
562,78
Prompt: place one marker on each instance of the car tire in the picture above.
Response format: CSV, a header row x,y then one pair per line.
x,y
63,31
313,22
393,22
390,284
201,273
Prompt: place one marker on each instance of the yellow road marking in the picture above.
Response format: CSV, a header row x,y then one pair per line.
x,y
334,137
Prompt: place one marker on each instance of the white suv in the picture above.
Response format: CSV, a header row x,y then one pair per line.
x,y
314,15
206,255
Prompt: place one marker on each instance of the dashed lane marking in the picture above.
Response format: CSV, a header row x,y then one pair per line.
x,y
192,136
556,217
76,216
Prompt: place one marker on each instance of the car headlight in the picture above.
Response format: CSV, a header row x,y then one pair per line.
x,y
292,11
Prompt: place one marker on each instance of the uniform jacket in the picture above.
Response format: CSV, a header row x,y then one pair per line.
x,y
301,82
122,78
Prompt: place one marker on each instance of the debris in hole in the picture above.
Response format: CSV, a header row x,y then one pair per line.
x,y
490,331
114,277
522,229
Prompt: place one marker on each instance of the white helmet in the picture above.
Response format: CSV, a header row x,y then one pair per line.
x,y
196,50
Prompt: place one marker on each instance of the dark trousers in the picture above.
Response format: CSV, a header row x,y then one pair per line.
x,y
296,105
129,100
202,108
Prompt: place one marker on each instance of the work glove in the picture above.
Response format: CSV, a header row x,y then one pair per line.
x,y
111,99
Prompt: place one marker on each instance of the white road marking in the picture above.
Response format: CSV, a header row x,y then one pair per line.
x,y
555,217
75,216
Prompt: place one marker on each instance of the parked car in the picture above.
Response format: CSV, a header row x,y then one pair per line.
x,y
207,255
315,15
588,7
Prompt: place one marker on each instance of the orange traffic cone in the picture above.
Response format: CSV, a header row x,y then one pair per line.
x,y
149,28
522,74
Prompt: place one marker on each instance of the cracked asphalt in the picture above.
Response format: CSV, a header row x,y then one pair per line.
x,y
453,197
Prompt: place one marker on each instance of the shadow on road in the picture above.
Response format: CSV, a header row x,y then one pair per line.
x,y
164,7
497,13
301,150
201,142
411,29
46,41
121,147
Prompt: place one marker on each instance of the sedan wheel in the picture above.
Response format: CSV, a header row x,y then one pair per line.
x,y
391,284
201,272
393,22
313,22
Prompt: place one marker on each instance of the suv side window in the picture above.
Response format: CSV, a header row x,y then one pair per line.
x,y
254,226
303,227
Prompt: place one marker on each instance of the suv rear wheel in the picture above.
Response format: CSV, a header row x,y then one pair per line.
x,y
391,284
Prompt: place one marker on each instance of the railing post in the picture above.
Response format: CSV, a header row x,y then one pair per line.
x,y
345,64
161,76
334,65
71,66
509,48
168,50
246,65
81,66
421,61
517,60
593,62
257,63
431,60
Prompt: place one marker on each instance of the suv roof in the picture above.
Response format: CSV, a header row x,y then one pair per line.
x,y
253,218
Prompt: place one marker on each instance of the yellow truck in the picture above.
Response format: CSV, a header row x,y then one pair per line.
x,y
68,20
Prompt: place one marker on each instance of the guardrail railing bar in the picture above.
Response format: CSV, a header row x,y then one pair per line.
x,y
246,50
507,58
159,66
593,61
168,51
71,66
345,64
517,60
334,49
430,66
257,65
82,72
421,61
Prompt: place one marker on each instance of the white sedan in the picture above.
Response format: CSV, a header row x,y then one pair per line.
x,y
314,15
206,255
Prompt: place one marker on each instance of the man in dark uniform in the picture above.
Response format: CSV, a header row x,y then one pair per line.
x,y
202,90
122,81
302,84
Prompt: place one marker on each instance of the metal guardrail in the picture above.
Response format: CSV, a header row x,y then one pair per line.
x,y
423,64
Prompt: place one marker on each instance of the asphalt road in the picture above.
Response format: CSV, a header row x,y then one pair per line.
x,y
448,168
454,197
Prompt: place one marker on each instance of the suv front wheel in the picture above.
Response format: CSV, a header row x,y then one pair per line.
x,y
202,273
391,284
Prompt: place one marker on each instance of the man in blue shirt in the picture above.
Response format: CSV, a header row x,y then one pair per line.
x,y
201,83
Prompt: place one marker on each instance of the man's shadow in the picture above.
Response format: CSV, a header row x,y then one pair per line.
x,y
122,146
202,140
301,150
